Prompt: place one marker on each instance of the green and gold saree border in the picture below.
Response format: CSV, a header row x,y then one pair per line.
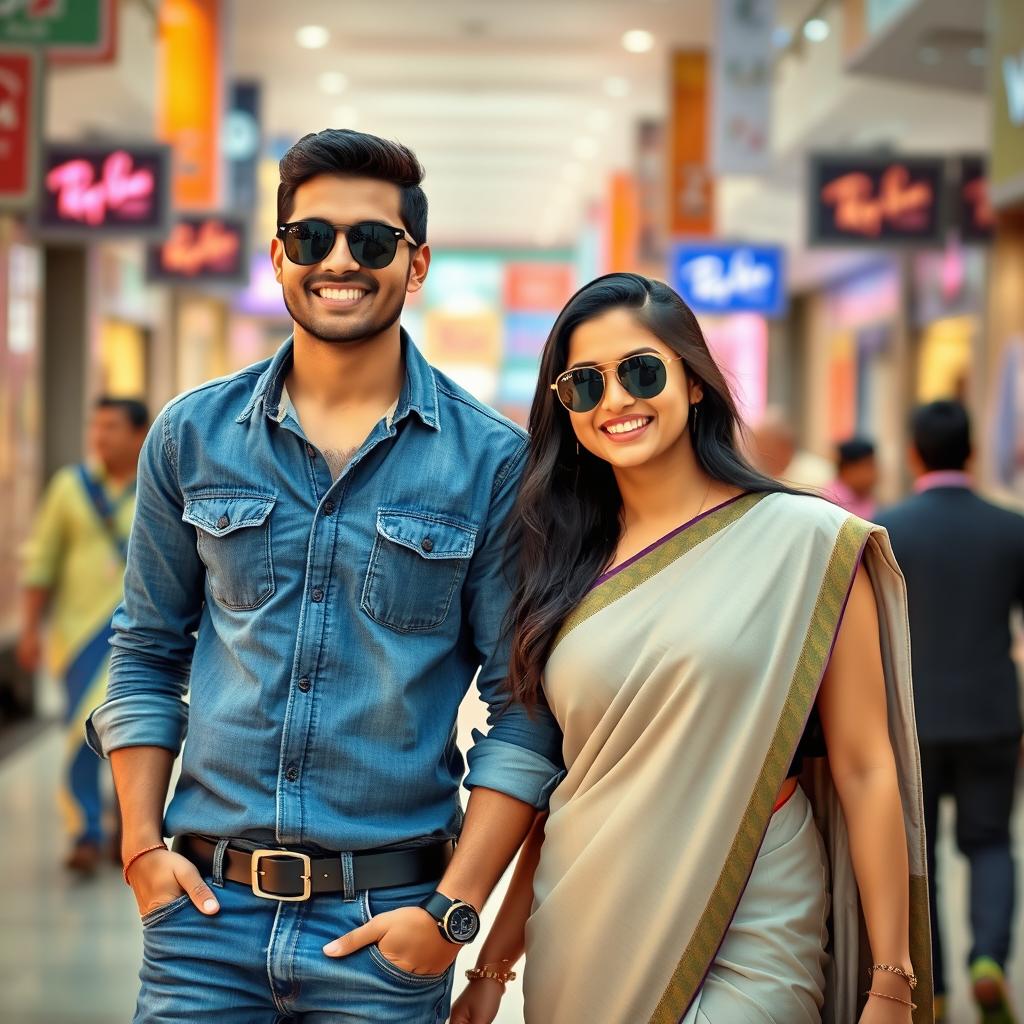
x,y
721,906
656,561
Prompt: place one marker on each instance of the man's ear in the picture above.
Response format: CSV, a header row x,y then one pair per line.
x,y
418,267
277,258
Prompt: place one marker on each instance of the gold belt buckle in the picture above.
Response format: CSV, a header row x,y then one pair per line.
x,y
307,878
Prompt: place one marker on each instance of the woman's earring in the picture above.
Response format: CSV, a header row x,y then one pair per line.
x,y
696,409
577,449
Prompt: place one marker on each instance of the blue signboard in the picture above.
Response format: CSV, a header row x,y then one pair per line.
x,y
729,278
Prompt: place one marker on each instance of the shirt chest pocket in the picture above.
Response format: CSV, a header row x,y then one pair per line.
x,y
233,533
417,565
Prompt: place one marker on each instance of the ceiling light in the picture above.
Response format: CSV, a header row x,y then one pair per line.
x,y
977,56
312,37
333,82
585,148
616,86
346,117
638,40
816,30
929,55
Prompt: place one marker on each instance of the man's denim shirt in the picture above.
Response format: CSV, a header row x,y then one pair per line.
x,y
328,630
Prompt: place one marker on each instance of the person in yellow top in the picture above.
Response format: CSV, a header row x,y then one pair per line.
x,y
73,579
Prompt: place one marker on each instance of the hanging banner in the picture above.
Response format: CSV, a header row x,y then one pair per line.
x,y
202,250
1006,94
690,185
242,144
68,30
623,223
20,126
90,191
874,200
190,98
721,278
742,98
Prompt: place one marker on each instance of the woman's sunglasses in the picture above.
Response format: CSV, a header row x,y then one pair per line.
x,y
373,245
643,376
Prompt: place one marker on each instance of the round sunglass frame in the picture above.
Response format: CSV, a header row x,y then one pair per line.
x,y
569,390
357,237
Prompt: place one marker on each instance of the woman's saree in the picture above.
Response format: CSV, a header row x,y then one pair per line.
x,y
683,683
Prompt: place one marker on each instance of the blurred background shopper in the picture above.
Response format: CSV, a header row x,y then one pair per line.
x,y
856,477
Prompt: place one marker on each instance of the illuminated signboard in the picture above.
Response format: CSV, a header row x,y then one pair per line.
x,y
874,200
90,191
974,215
202,250
724,279
78,30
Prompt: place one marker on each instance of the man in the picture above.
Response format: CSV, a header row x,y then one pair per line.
x,y
856,477
963,559
331,525
73,577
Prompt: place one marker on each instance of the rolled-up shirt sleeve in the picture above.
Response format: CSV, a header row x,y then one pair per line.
x,y
521,753
154,626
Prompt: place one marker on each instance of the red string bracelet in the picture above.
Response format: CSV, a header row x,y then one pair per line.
x,y
135,856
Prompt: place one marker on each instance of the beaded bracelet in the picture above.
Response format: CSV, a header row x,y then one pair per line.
x,y
500,974
135,856
910,979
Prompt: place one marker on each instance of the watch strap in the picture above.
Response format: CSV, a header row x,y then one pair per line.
x,y
437,905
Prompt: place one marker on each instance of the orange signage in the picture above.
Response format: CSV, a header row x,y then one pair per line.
x,y
537,287
859,208
623,222
190,100
691,186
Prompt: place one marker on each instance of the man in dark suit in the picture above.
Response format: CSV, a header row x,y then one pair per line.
x,y
963,559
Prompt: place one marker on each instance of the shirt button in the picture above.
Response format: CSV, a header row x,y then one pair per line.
x,y
427,545
328,507
318,595
310,451
304,684
292,773
223,523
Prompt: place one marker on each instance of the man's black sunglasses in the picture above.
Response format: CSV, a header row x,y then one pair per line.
x,y
373,245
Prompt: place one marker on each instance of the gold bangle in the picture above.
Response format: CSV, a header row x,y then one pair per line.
x,y
910,979
895,999
494,972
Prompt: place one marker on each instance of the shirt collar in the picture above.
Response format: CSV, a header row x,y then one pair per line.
x,y
419,392
941,478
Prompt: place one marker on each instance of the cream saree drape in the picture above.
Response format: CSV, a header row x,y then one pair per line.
x,y
682,683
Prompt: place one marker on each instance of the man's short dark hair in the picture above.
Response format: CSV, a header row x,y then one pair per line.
x,y
853,450
942,435
356,154
134,409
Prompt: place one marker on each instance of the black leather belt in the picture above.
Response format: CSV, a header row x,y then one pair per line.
x,y
290,876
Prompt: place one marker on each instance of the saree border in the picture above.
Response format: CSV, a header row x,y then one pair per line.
x,y
656,560
692,967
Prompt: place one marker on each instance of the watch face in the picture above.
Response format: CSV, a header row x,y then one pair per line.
x,y
463,923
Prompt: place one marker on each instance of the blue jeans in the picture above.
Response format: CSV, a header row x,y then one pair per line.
x,y
262,962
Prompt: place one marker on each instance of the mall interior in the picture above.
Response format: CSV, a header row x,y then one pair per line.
x,y
835,186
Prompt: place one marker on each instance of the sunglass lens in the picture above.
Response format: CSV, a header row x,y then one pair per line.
x,y
581,390
643,376
372,245
307,242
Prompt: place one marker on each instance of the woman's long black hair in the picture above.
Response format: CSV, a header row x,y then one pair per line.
x,y
566,525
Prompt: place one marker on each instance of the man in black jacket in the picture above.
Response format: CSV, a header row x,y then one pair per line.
x,y
963,559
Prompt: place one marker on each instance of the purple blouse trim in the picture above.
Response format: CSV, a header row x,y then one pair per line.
x,y
668,536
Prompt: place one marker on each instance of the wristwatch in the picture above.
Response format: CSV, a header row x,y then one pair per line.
x,y
457,920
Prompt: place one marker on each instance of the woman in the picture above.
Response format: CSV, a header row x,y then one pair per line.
x,y
683,874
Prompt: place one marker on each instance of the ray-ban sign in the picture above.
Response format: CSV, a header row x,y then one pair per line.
x,y
202,250
105,190
729,278
871,200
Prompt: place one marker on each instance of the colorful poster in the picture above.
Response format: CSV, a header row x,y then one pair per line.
x,y
537,287
742,96
691,190
190,83
20,126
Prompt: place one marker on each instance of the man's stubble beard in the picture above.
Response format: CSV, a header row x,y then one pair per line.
x,y
372,330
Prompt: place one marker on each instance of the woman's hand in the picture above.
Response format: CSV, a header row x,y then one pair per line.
x,y
478,1003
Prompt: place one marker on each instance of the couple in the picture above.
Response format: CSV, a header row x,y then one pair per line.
x,y
330,545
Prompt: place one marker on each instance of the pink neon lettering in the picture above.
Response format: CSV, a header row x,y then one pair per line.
x,y
82,198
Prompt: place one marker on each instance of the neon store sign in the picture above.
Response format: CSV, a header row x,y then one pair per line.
x,y
120,190
202,249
